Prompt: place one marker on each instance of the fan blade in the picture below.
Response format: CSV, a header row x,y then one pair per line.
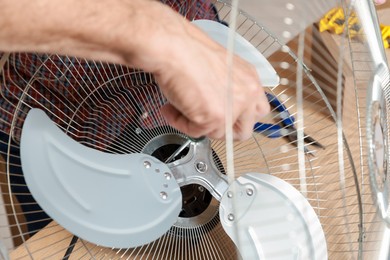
x,y
112,200
219,33
267,218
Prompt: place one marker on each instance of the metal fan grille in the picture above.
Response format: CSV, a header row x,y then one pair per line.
x,y
116,109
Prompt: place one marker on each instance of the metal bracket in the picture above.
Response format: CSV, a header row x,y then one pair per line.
x,y
198,167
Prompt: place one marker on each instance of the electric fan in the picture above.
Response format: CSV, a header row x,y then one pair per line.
x,y
110,179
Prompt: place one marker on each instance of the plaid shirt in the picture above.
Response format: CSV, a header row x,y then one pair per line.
x,y
92,101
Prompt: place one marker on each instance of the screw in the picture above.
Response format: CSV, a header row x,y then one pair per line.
x,y
201,167
138,130
147,164
230,194
249,192
167,176
200,188
163,195
230,217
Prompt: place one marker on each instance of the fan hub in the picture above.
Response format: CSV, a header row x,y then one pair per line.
x,y
194,165
195,171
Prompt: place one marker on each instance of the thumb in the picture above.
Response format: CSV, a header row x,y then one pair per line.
x,y
177,120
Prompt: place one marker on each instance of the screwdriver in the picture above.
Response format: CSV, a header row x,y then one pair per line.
x,y
183,146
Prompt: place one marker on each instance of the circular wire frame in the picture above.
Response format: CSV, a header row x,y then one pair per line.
x,y
116,109
378,140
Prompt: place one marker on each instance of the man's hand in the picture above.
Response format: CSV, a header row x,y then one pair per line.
x,y
192,72
190,68
195,80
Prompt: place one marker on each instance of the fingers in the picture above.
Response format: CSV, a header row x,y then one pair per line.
x,y
242,125
176,119
243,129
262,105
195,84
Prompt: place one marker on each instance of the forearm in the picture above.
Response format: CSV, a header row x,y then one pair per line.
x,y
189,67
111,30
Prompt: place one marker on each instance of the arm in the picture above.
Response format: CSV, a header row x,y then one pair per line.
x,y
106,30
189,67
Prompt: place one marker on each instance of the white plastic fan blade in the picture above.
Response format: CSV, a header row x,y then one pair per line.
x,y
219,33
108,199
273,220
